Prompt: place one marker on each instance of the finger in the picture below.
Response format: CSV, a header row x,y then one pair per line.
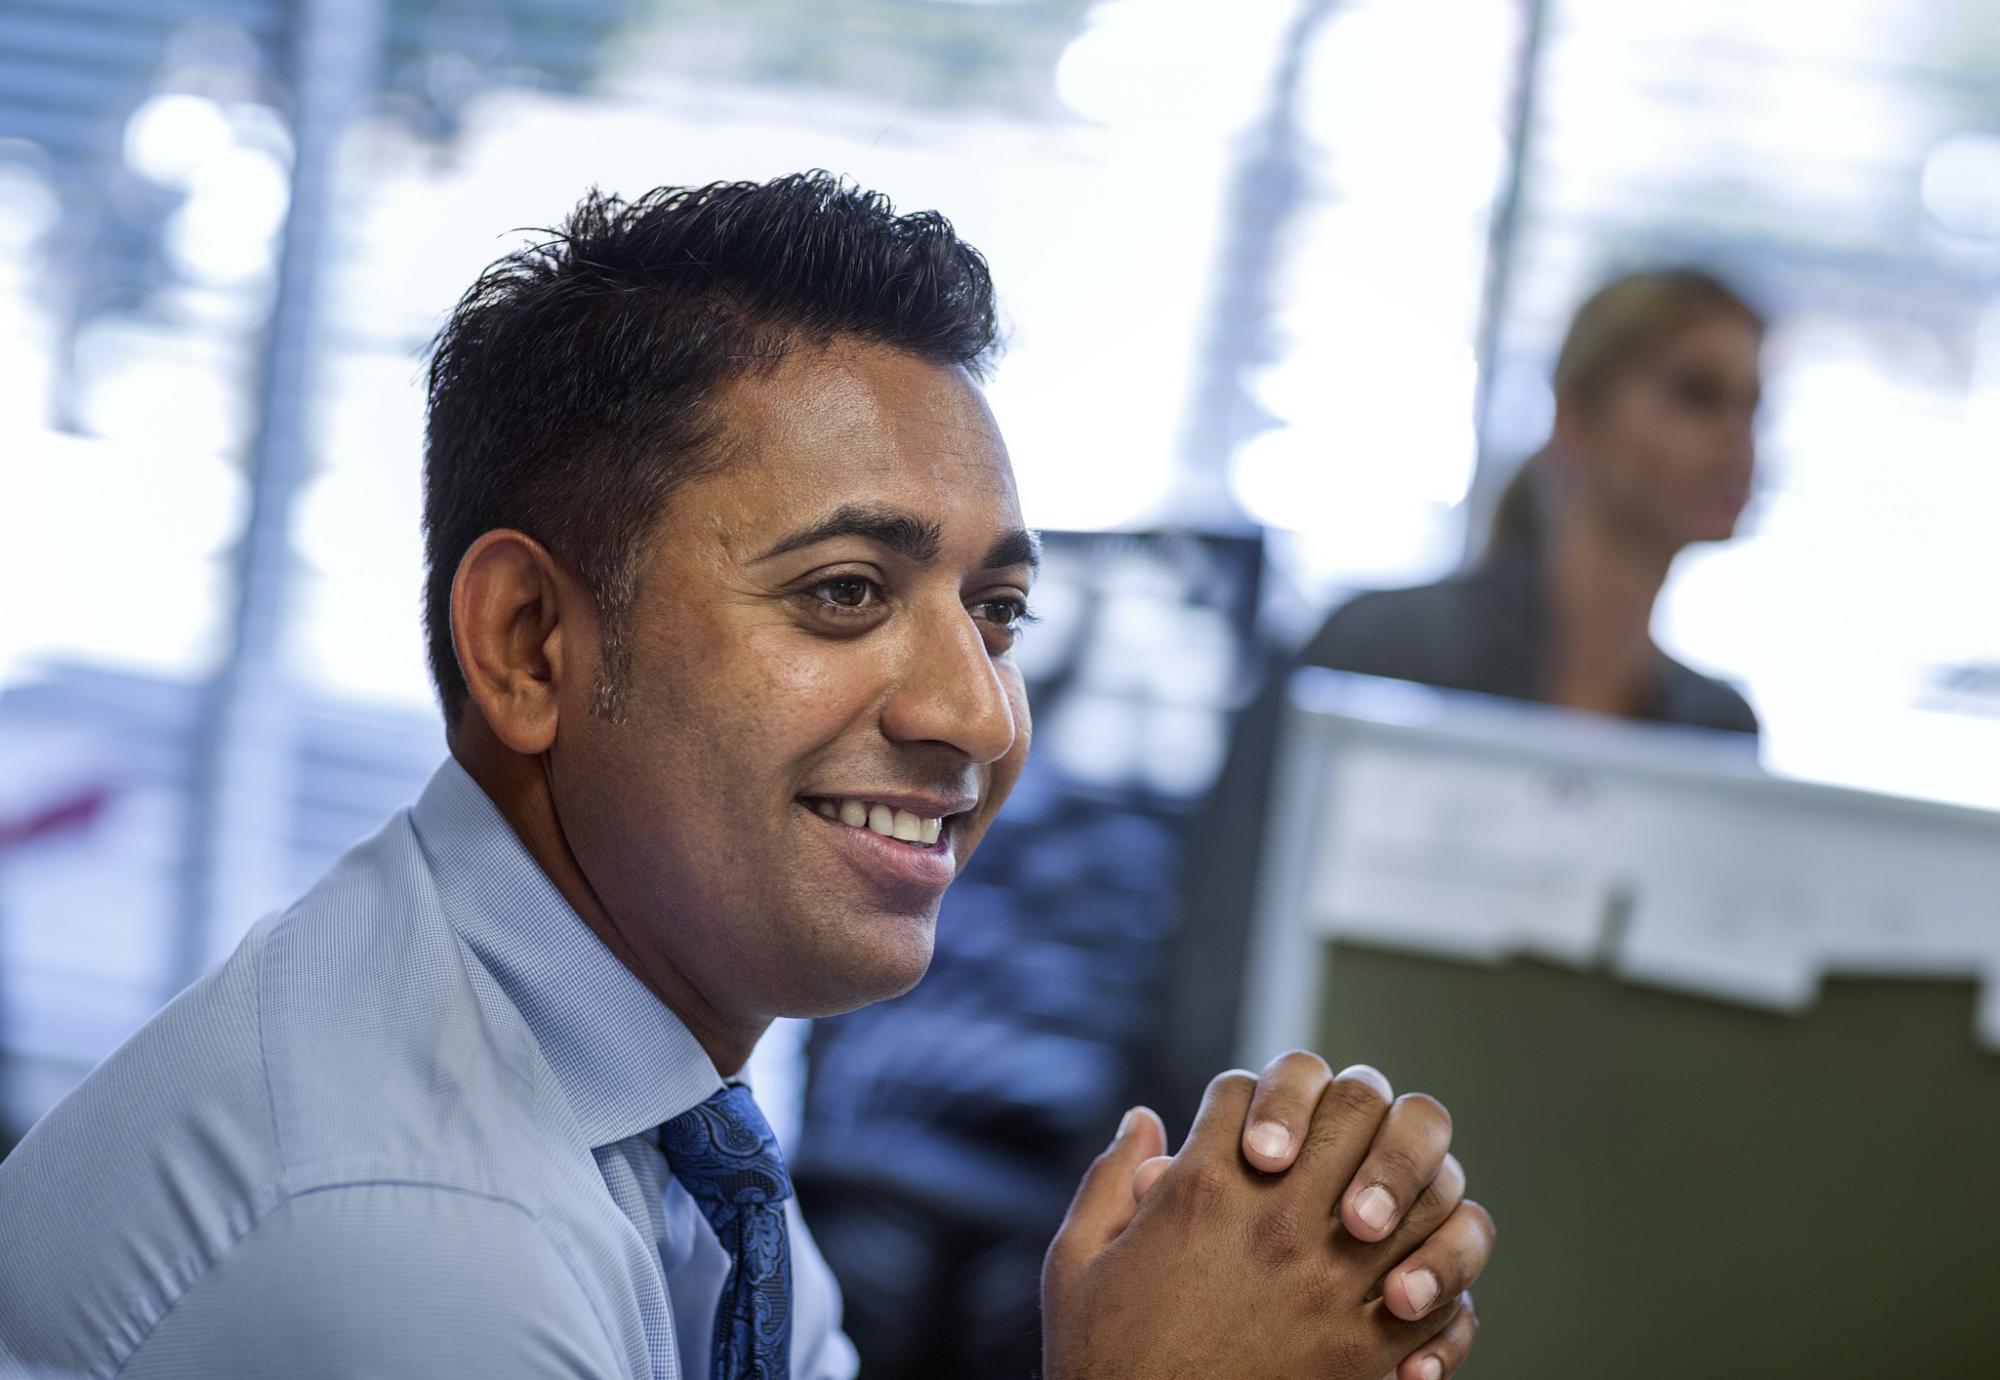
x,y
1436,1202
1104,1203
1218,1126
1282,1108
1343,1127
1443,1354
1147,1174
1406,1154
1444,1266
1398,1340
1434,1206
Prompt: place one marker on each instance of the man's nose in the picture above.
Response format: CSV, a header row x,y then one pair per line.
x,y
951,691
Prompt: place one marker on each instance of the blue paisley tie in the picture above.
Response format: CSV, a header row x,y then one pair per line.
x,y
725,1156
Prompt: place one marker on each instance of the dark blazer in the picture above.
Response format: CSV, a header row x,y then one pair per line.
x,y
1485,629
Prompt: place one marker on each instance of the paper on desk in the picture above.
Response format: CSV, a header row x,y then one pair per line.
x,y
1719,902
1911,897
1745,898
1472,857
1731,937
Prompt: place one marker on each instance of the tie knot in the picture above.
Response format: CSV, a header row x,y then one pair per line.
x,y
723,1152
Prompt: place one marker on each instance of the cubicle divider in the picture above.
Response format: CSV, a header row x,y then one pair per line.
x,y
1722,1049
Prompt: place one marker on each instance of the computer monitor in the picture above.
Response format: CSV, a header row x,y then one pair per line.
x,y
1720,1047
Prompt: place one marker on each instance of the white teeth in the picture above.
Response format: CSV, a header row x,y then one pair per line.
x,y
886,820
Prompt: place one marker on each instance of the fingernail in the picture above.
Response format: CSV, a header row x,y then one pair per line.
x,y
1270,1140
1375,1207
1420,1287
1430,1368
1125,1126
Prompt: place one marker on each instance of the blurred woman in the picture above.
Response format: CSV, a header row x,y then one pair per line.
x,y
1653,451
1656,393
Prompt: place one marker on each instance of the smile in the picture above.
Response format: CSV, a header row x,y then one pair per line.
x,y
904,846
890,822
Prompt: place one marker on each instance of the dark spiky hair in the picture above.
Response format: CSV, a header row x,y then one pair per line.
x,y
571,391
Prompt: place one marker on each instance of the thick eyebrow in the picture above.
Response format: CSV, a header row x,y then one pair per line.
x,y
1018,547
907,534
902,532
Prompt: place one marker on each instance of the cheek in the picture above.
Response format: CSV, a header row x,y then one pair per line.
x,y
1024,724
1661,450
1008,672
1007,770
799,693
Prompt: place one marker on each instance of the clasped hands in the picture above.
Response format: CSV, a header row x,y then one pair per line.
x,y
1313,1224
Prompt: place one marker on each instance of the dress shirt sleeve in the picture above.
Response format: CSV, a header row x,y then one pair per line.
x,y
382,1280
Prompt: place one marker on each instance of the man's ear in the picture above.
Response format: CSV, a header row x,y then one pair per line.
x,y
507,609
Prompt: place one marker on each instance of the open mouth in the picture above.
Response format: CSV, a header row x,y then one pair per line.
x,y
891,822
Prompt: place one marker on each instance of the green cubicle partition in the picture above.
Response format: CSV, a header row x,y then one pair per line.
x,y
1691,1189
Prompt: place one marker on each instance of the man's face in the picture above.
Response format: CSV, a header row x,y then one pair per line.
x,y
823,627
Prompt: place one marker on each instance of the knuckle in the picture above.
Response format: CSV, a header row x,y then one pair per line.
x,y
1204,1185
1320,1137
1482,1220
1302,1063
1451,1174
1442,1196
1461,1262
1231,1082
1358,1097
1394,1168
1427,1109
1467,1259
1059,1259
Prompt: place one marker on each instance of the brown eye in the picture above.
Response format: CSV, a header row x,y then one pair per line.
x,y
1009,615
847,591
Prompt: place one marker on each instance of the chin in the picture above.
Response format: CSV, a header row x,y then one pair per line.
x,y
1712,525
872,958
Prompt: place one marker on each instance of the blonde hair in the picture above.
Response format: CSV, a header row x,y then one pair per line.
x,y
1616,328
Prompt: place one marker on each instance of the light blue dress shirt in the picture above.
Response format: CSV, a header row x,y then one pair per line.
x,y
407,1129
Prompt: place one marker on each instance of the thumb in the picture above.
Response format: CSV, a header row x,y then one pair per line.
x,y
1104,1201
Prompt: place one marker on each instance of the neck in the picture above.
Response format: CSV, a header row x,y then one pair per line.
x,y
521,787
1603,583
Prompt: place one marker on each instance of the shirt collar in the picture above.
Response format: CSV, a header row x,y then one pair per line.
x,y
624,1061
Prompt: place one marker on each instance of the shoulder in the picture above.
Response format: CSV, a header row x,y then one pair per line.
x,y
387,1048
346,1040
385,1278
116,1199
1705,702
1393,632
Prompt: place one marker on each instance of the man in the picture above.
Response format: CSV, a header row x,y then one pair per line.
x,y
725,570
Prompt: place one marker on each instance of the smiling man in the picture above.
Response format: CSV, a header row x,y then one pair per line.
x,y
726,569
